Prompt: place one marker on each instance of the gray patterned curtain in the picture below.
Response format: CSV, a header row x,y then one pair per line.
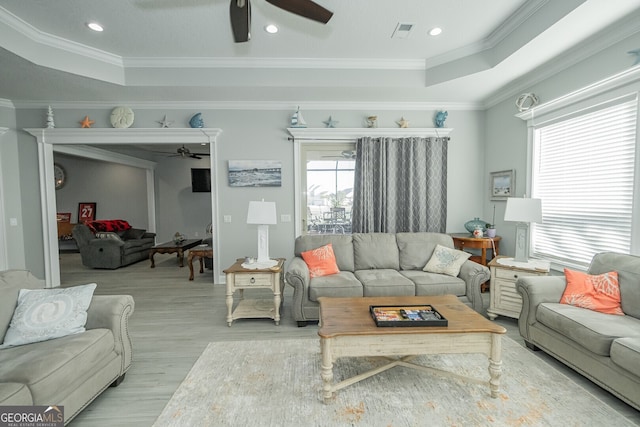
x,y
400,185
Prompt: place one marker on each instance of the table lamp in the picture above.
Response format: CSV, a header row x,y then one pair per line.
x,y
523,211
262,213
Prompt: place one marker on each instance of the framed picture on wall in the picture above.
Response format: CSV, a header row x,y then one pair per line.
x,y
86,212
503,184
255,173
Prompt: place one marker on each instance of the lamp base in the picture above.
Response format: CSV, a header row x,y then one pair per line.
x,y
263,243
522,242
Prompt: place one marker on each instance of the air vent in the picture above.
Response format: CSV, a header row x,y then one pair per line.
x,y
402,30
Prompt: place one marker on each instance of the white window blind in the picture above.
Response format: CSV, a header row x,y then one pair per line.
x,y
583,170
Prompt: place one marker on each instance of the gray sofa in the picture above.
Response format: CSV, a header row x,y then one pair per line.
x,y
113,250
379,264
604,348
70,371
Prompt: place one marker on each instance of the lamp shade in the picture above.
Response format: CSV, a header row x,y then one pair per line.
x,y
262,213
523,210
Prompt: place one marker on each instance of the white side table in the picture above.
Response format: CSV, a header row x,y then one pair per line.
x,y
239,278
505,300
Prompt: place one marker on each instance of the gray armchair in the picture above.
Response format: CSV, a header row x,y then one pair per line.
x,y
112,250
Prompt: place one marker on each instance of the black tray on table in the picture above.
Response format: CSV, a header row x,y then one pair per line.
x,y
407,315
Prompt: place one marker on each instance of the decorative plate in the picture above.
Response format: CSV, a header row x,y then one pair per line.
x,y
121,117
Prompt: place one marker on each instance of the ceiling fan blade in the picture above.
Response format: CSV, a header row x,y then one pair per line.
x,y
305,8
240,15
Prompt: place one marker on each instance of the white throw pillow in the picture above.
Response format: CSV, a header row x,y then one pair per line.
x,y
44,314
446,261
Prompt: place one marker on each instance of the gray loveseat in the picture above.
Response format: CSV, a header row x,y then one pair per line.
x,y
70,371
112,250
603,347
379,264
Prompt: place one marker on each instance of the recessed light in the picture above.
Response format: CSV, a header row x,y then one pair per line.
x,y
271,29
435,31
95,26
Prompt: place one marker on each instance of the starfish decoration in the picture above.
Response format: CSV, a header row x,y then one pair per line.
x,y
635,52
331,123
164,123
86,122
403,123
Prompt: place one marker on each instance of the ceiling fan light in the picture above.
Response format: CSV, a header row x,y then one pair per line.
x,y
95,26
271,29
435,31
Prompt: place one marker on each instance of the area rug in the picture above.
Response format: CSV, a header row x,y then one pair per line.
x,y
277,383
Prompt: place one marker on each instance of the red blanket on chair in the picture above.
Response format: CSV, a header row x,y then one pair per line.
x,y
114,225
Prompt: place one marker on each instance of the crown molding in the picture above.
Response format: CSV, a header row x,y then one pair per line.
x,y
341,134
79,136
287,63
606,38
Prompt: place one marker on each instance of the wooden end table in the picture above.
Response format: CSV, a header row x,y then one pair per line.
x,y
348,330
173,247
464,241
240,278
202,252
505,299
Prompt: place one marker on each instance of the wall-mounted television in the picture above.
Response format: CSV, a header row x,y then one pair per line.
x,y
201,180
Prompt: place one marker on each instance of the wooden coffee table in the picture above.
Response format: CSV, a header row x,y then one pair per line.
x,y
348,330
173,247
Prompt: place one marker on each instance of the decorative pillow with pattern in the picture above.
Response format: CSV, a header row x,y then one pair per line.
x,y
321,261
598,293
446,261
45,314
108,235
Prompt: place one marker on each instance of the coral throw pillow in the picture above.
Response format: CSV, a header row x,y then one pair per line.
x,y
599,293
321,261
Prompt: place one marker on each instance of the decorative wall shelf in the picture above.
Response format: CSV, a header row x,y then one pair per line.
x,y
355,133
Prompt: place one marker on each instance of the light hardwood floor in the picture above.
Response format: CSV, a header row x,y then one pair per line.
x,y
175,319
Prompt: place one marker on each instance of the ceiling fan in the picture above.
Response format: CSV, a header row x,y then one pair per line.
x,y
184,152
240,14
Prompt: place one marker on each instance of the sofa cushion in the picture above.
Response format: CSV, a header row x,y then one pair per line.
x,y
435,284
592,330
628,268
384,282
108,235
446,261
416,248
375,250
341,285
625,352
342,247
47,366
321,261
599,292
11,281
44,314
133,233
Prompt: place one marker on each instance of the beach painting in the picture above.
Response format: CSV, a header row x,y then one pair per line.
x,y
255,173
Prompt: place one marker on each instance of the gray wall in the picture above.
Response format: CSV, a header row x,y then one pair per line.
x,y
251,134
119,191
506,135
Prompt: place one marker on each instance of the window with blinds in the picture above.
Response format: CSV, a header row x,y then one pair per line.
x,y
583,170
